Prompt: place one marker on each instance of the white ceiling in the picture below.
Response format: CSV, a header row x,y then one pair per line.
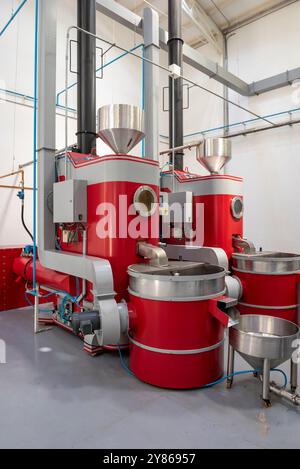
x,y
224,13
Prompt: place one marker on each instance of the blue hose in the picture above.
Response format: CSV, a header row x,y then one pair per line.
x,y
219,381
126,368
63,304
31,304
67,297
240,373
56,292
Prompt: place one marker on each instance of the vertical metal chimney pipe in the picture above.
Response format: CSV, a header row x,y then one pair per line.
x,y
86,60
175,45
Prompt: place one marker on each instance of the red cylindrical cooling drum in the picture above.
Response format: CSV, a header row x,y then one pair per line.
x,y
269,284
176,342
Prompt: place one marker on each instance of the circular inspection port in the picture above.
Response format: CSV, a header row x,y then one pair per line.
x,y
145,201
237,208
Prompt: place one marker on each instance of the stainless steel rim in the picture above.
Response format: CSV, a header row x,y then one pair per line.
x,y
177,282
177,300
271,274
267,263
177,352
187,278
276,308
258,337
271,318
177,279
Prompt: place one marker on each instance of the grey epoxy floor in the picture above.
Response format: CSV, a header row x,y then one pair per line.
x,y
52,395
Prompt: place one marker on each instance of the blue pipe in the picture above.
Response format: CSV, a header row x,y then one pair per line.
x,y
235,124
15,93
12,17
30,98
35,100
277,114
99,69
289,111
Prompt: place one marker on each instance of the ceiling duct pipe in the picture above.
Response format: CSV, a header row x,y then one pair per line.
x,y
86,60
175,44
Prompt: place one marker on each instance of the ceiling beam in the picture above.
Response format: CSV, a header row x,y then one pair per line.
x,y
275,82
191,56
197,60
205,24
258,15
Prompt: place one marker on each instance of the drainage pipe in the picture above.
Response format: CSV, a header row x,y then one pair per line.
x,y
281,392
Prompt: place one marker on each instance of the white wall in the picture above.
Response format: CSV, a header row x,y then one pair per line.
x,y
205,111
122,83
269,161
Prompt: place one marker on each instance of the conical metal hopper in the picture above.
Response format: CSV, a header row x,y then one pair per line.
x,y
121,127
214,153
256,338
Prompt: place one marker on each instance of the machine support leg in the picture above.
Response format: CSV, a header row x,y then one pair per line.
x,y
37,329
294,376
36,310
230,366
266,382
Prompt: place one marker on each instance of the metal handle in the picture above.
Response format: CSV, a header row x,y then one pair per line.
x,y
102,63
166,108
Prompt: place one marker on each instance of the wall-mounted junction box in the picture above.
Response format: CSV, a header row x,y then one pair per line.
x,y
70,201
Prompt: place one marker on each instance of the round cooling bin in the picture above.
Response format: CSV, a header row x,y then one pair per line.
x,y
176,342
270,284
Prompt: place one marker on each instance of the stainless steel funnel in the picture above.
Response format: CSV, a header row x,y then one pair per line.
x,y
121,127
214,153
257,338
